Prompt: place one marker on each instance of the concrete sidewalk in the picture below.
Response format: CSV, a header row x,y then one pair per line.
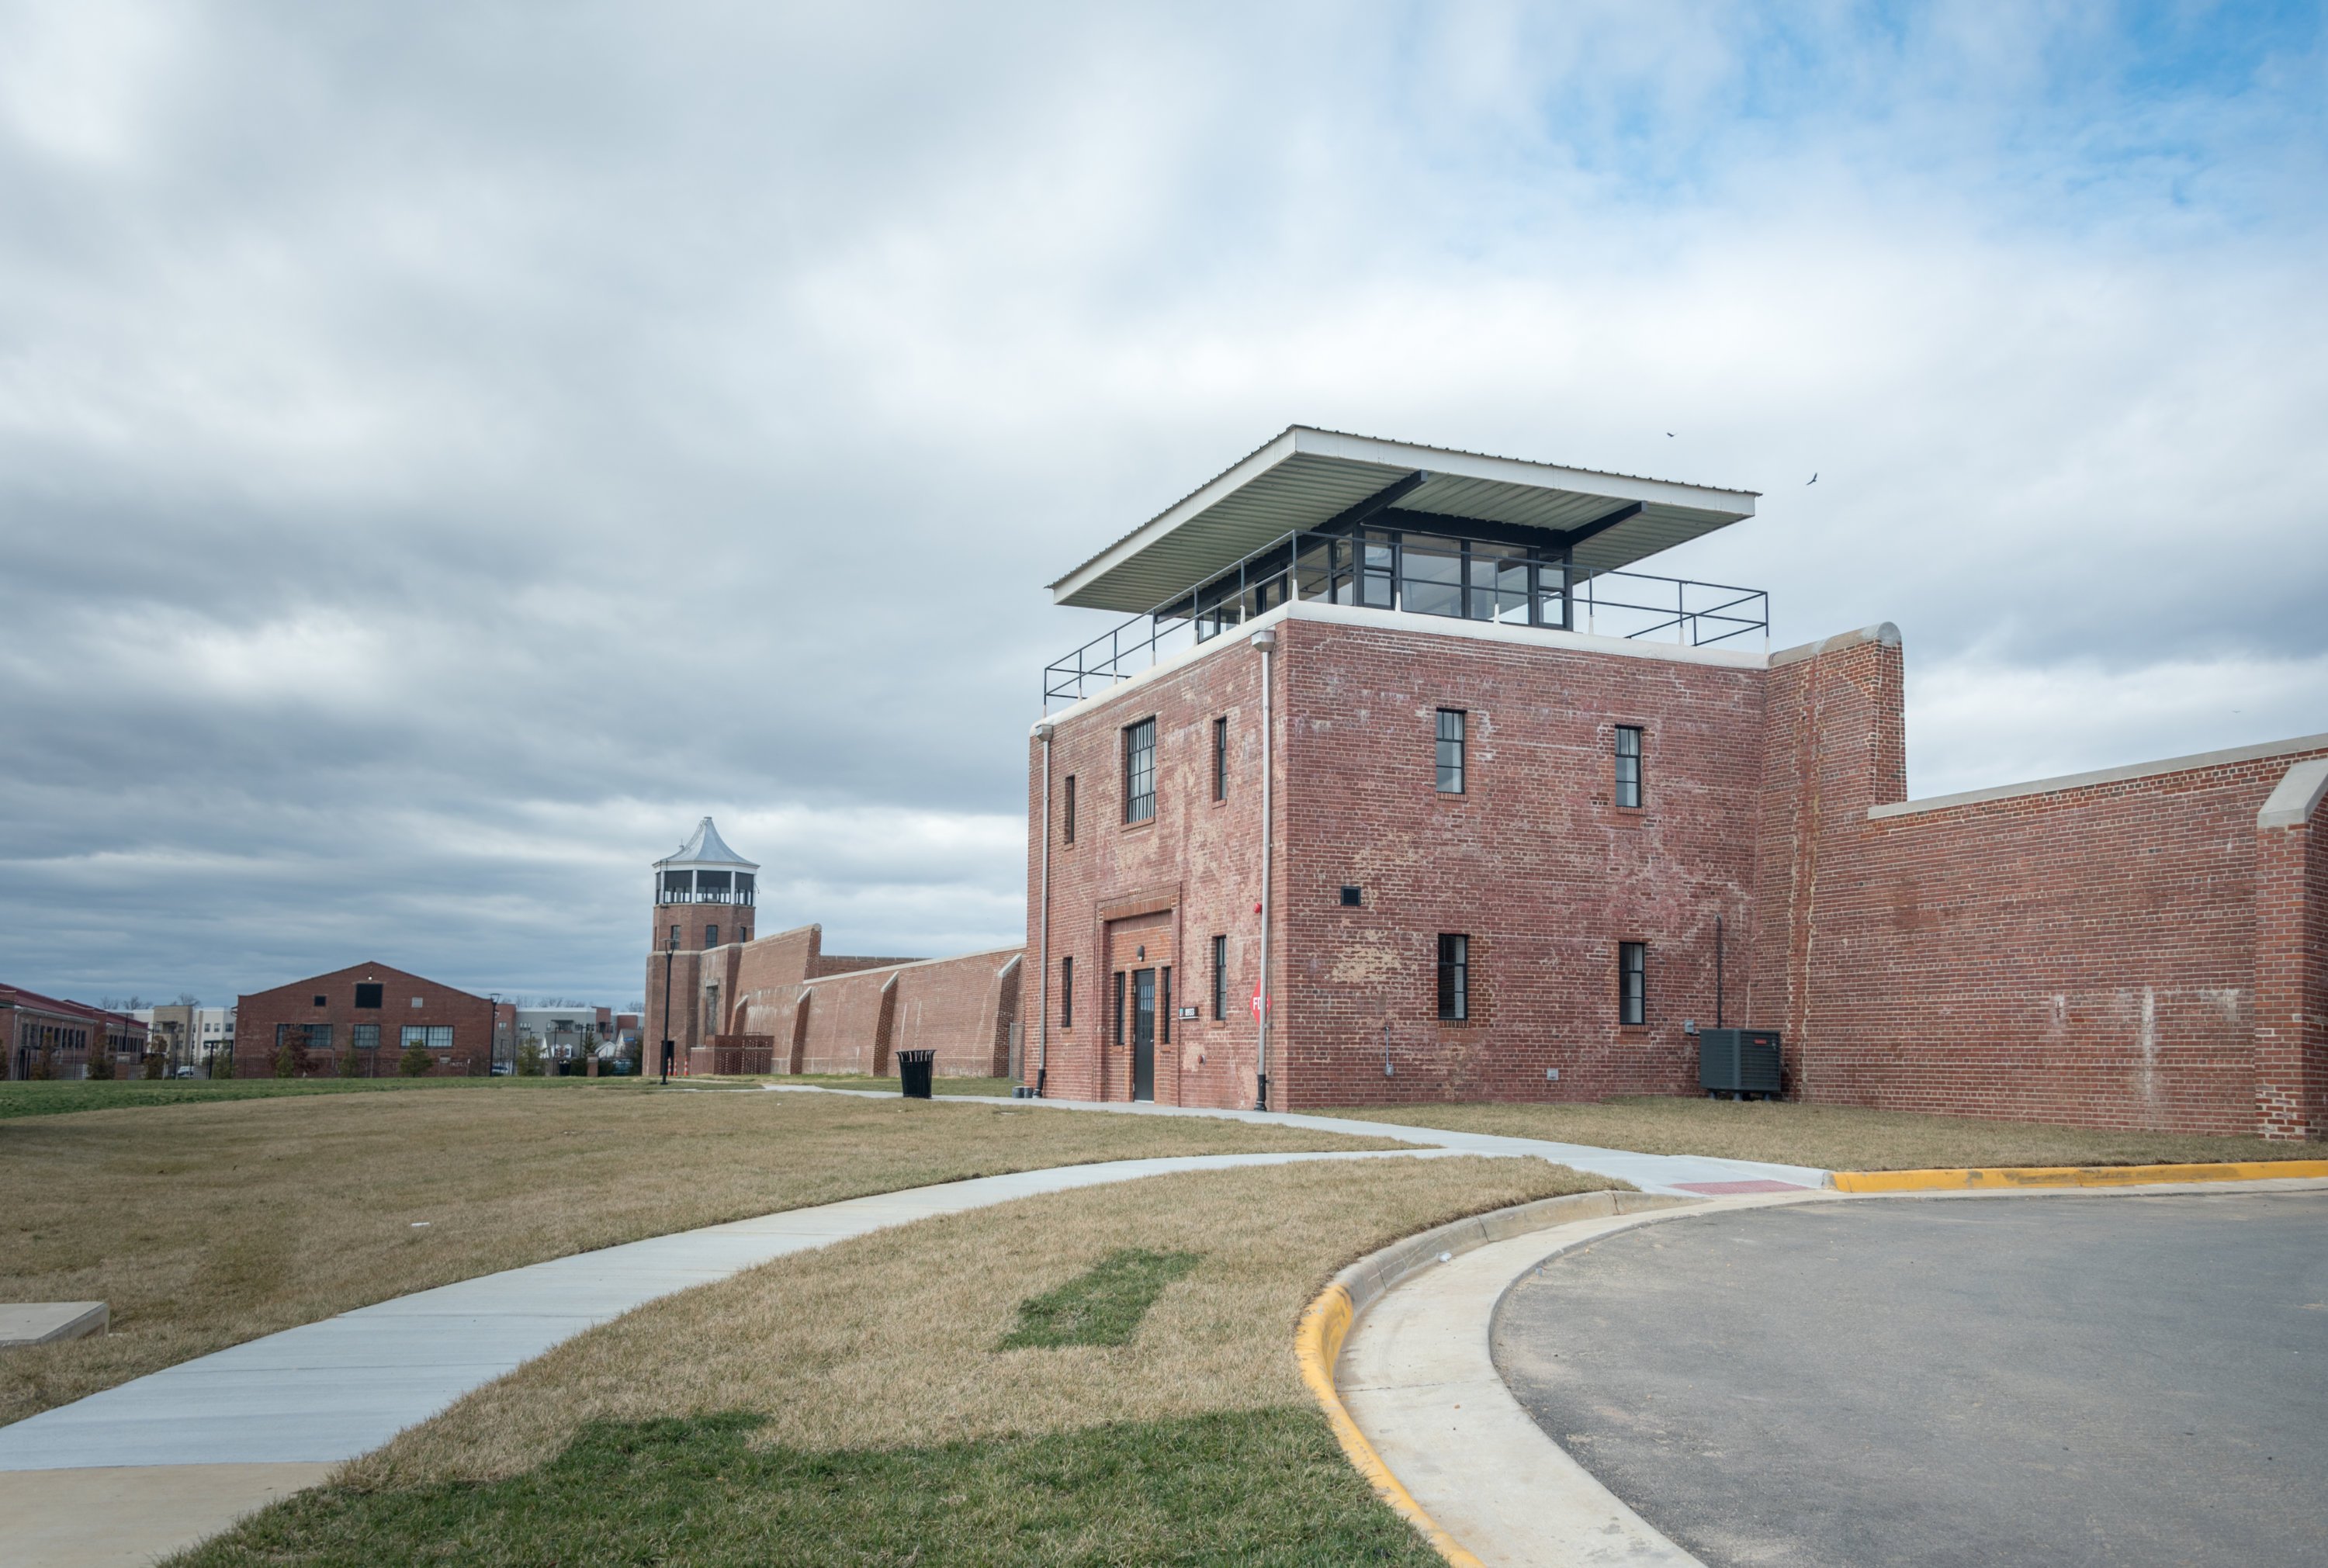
x,y
110,1479
1674,1175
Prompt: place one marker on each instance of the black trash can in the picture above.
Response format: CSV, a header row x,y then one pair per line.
x,y
913,1071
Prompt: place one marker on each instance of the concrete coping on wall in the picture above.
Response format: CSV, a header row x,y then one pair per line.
x,y
2296,796
1884,633
893,970
2077,781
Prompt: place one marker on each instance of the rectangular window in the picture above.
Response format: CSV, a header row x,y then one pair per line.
x,y
1220,978
1140,772
1067,994
1629,765
1220,759
1352,897
1164,1002
712,937
440,1037
674,936
368,996
1454,978
367,1037
1632,982
1119,1007
1067,828
416,1035
1450,751
319,1038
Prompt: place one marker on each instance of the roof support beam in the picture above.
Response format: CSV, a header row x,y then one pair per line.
x,y
1351,517
1599,525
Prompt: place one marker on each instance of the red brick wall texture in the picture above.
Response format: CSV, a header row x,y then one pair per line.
x,y
406,999
833,1013
2130,950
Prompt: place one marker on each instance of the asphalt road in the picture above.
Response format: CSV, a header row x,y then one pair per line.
x,y
2056,1380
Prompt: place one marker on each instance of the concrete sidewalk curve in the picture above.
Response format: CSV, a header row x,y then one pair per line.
x,y
1674,1175
1418,1379
91,1482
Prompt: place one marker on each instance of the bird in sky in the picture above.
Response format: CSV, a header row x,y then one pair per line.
x,y
1812,480
1668,434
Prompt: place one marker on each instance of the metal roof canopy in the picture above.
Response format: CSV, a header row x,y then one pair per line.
x,y
1308,477
705,848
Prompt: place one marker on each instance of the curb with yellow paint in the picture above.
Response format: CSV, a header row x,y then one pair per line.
x,y
1975,1178
1318,1345
1326,1322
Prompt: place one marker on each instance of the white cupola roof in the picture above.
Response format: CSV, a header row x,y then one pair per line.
x,y
705,849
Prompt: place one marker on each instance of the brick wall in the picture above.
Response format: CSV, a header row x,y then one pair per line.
x,y
836,1012
2127,950
1534,863
47,1033
259,1015
2084,954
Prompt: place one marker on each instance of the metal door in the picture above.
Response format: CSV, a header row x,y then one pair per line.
x,y
1143,1034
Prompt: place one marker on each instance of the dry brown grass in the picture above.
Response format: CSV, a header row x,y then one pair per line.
x,y
1831,1137
891,1340
206,1225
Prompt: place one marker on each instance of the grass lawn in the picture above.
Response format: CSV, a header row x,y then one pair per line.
x,y
212,1222
864,1403
981,1086
57,1098
1832,1137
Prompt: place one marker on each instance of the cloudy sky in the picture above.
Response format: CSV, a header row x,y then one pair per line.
x,y
445,450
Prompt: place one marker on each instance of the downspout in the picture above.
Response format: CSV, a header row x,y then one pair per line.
x,y
1042,932
1266,641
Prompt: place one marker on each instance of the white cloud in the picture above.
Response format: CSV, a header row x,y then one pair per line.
x,y
442,454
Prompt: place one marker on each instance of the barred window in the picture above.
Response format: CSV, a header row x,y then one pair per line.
x,y
1220,978
1454,978
1629,765
1140,772
1450,751
1632,982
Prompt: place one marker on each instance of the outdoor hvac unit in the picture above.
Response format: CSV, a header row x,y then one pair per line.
x,y
1739,1062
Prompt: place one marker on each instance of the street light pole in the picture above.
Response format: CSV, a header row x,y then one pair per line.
x,y
669,956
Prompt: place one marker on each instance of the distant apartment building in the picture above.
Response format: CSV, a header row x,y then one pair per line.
x,y
370,1009
45,1036
170,1030
565,1033
213,1035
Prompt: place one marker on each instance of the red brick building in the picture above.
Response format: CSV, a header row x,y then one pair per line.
x,y
780,1003
1397,745
374,1010
47,1037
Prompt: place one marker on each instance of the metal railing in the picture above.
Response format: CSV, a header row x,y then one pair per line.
x,y
1453,577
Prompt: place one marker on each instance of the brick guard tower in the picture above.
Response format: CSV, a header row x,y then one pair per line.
x,y
1403,784
703,900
